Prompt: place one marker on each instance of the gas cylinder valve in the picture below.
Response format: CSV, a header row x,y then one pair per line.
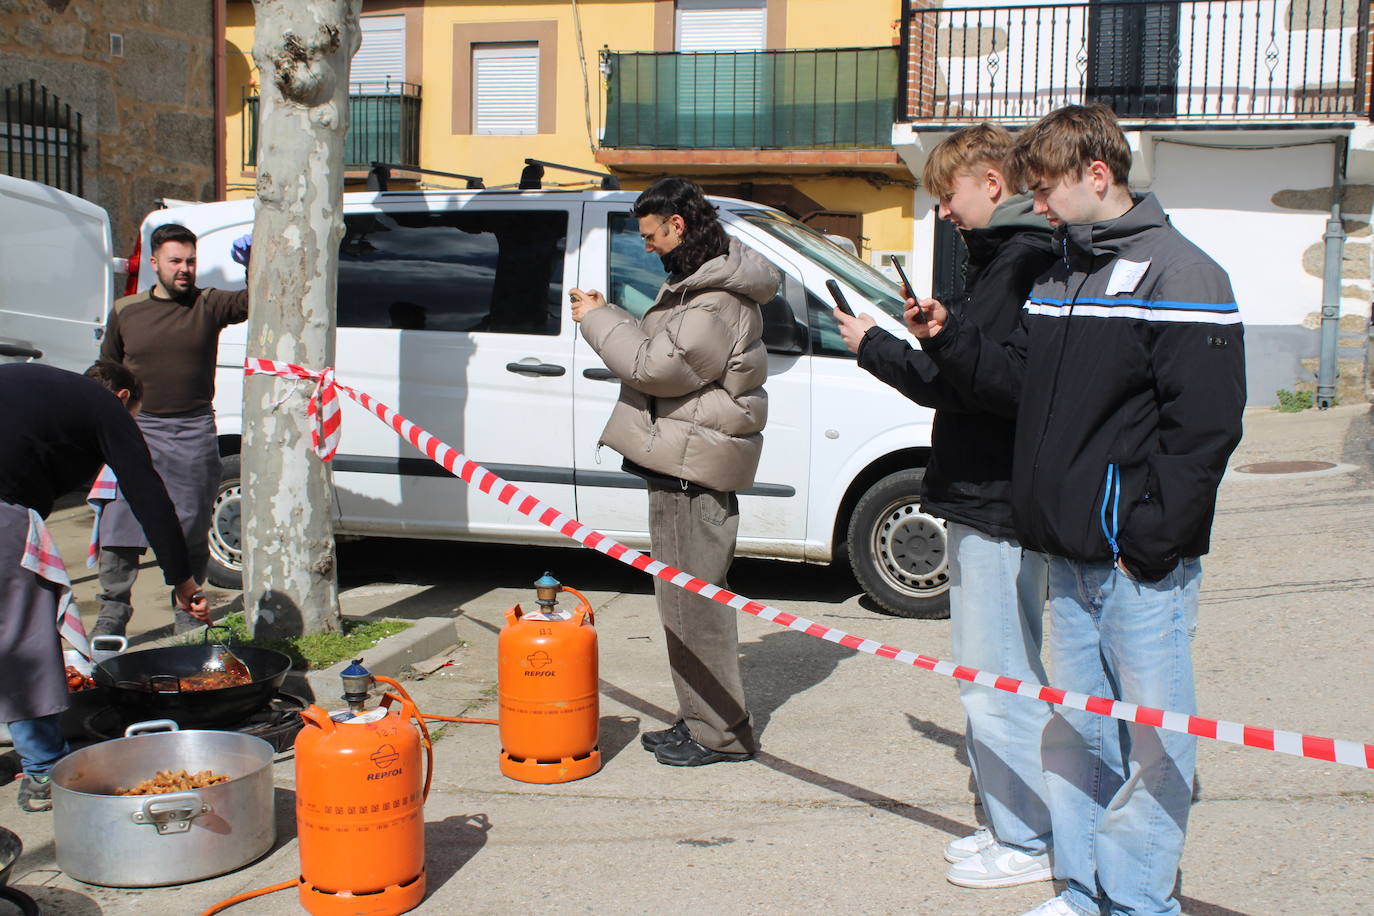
x,y
357,682
546,589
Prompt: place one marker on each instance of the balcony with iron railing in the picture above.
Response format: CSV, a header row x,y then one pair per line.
x,y
1196,61
383,125
833,99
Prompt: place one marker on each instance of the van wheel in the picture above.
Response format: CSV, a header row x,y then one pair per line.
x,y
898,553
226,526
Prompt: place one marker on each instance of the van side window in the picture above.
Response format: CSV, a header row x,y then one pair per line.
x,y
476,270
635,276
825,333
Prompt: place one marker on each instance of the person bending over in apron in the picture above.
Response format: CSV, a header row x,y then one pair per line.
x,y
59,428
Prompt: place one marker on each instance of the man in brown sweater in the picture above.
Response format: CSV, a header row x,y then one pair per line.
x,y
169,337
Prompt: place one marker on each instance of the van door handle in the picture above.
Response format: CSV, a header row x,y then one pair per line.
x,y
523,368
17,350
599,375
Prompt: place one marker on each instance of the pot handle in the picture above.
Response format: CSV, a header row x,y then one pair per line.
x,y
109,643
171,813
152,725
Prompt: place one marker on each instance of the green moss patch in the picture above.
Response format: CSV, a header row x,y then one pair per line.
x,y
315,650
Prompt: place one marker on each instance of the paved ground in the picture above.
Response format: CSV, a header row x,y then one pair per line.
x,y
862,780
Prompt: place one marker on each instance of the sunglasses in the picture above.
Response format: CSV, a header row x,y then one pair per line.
x,y
646,238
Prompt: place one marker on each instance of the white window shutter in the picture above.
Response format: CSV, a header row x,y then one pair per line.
x,y
505,88
380,64
721,25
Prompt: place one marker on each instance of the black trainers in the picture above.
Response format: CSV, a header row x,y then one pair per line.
x,y
654,740
691,753
108,626
35,794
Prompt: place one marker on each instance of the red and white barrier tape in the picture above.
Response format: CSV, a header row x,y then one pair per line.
x,y
1333,750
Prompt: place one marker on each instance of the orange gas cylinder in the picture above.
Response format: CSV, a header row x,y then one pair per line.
x,y
547,679
360,791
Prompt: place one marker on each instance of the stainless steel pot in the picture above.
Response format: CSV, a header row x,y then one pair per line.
x,y
152,840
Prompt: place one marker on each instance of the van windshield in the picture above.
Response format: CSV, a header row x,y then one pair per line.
x,y
872,285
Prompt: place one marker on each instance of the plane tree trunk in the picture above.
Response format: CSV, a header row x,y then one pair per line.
x,y
303,49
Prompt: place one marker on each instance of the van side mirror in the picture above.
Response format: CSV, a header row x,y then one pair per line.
x,y
782,332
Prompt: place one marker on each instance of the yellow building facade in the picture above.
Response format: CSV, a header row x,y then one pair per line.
x,y
796,114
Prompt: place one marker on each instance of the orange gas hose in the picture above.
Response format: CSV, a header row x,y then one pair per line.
x,y
249,895
466,719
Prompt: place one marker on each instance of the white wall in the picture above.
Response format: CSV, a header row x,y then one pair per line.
x,y
1222,201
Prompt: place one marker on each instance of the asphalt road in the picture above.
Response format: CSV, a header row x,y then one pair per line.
x,y
862,779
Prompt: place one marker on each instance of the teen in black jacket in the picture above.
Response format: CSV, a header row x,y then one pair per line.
x,y
996,588
1130,390
968,477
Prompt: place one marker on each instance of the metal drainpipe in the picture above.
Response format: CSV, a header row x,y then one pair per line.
x,y
1332,274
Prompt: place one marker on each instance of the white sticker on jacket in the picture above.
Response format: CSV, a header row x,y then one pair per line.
x,y
1126,276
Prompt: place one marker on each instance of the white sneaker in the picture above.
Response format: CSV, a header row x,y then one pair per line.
x,y
971,845
1000,866
1053,907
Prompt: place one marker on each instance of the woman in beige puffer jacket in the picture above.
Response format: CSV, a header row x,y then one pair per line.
x,y
689,421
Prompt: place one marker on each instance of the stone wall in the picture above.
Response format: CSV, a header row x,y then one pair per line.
x,y
148,116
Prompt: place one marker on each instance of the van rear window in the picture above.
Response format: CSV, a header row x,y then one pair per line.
x,y
469,271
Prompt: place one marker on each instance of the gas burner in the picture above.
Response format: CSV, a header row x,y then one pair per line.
x,y
277,723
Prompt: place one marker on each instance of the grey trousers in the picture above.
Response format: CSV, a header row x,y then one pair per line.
x,y
118,573
185,453
695,532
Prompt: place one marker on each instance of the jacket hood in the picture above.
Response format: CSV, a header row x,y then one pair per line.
x,y
1111,236
1018,213
740,270
1013,216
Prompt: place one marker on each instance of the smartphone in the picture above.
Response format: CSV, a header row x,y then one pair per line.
x,y
920,316
838,295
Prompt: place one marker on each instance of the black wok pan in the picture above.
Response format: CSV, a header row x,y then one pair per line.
x,y
144,685
11,848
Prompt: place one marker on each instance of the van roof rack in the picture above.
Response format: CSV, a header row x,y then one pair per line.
x,y
532,176
380,174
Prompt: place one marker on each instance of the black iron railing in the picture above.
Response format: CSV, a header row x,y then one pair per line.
x,y
1219,60
42,139
383,125
832,97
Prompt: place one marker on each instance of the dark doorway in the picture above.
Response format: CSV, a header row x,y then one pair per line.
x,y
1133,57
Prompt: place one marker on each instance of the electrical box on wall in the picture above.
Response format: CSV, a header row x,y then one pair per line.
x,y
883,264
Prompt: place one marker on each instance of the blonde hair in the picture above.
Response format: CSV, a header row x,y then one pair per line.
x,y
962,152
1067,141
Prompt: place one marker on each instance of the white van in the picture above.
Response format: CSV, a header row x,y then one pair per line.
x,y
55,261
453,309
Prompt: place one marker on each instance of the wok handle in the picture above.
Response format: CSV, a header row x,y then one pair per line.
x,y
164,683
152,725
228,639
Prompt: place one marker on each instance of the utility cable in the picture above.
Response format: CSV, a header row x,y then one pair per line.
x,y
586,86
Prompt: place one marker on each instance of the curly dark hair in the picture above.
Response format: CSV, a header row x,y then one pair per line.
x,y
704,237
116,377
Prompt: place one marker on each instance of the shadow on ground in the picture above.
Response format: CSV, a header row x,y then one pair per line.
x,y
452,843
457,573
59,901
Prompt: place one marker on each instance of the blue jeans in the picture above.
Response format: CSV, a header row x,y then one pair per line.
x,y
997,609
39,743
1119,792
